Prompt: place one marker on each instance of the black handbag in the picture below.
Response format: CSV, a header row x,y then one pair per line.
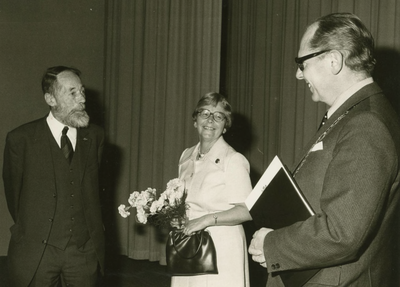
x,y
191,255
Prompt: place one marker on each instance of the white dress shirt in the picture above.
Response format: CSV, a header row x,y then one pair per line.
x,y
56,129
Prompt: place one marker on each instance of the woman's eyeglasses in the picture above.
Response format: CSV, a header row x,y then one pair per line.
x,y
217,116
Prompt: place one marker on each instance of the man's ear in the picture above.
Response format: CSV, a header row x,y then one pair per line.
x,y
50,100
336,59
195,125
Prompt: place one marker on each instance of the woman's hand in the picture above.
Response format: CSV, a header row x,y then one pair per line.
x,y
196,224
178,223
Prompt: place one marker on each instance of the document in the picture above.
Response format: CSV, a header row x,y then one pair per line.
x,y
275,202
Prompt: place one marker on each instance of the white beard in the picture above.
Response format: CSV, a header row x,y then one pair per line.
x,y
77,119
74,118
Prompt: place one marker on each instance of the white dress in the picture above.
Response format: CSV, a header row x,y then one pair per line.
x,y
213,183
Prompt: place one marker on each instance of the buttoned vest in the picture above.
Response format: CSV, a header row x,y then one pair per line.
x,y
69,221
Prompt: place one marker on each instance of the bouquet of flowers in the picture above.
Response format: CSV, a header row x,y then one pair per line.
x,y
169,207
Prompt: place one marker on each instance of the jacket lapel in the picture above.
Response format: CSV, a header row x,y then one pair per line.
x,y
42,139
83,145
362,94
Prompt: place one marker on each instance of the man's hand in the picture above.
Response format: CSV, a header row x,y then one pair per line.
x,y
256,248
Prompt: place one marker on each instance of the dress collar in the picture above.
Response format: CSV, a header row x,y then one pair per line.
x,y
216,155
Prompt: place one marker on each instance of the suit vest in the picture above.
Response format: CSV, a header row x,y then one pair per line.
x,y
69,221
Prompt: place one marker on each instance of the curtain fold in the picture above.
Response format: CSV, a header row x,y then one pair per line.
x,y
161,56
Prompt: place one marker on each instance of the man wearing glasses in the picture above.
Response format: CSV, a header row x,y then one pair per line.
x,y
349,171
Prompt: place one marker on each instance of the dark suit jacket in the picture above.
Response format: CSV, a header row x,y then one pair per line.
x,y
351,180
30,190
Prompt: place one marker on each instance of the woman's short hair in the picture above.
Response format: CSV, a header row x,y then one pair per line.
x,y
213,99
49,79
346,33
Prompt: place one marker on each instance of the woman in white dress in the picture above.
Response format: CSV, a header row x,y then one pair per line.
x,y
217,180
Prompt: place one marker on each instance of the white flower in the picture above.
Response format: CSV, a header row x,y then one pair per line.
x,y
149,193
174,183
141,216
180,191
160,202
123,211
174,192
157,211
141,201
154,207
173,199
132,198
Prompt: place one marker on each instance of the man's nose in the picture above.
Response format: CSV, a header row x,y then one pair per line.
x,y
82,97
299,74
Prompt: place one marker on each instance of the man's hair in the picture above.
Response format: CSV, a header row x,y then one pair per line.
x,y
346,33
213,99
49,79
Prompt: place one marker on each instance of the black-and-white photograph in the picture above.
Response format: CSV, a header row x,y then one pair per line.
x,y
200,143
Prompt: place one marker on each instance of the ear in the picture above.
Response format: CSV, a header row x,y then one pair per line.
x,y
195,125
50,99
224,131
336,59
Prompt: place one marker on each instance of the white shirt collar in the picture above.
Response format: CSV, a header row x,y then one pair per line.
x,y
347,94
56,128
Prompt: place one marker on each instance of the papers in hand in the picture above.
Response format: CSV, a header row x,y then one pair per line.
x,y
276,201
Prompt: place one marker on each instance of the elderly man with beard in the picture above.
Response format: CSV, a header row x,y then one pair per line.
x,y
50,175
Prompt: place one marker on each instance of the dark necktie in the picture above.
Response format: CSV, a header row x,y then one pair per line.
x,y
66,145
324,119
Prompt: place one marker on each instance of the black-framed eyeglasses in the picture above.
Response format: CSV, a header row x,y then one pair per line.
x,y
217,116
300,61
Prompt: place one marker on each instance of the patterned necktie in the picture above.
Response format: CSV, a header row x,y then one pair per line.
x,y
324,119
66,145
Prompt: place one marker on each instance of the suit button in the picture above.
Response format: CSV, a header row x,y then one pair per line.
x,y
72,218
51,219
44,241
273,266
54,195
72,195
277,266
72,182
